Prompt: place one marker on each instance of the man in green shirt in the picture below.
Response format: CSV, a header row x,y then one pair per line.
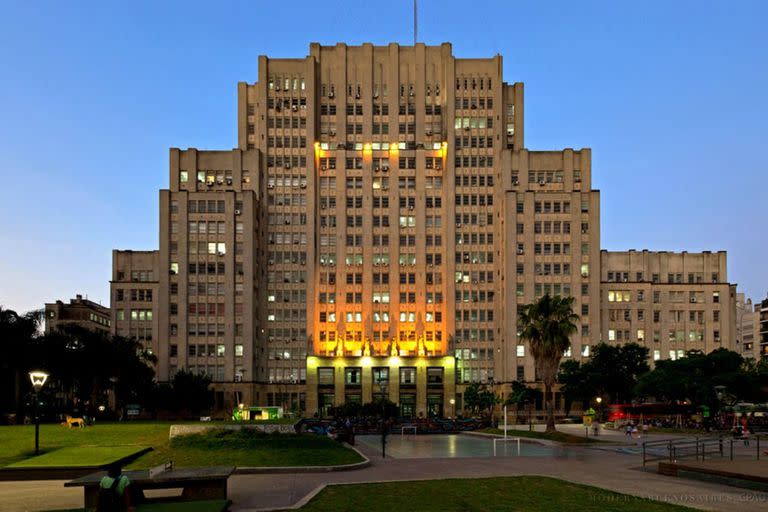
x,y
115,491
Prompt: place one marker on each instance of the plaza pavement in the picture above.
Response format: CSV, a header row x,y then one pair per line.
x,y
597,465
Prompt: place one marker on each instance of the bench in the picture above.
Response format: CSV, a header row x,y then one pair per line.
x,y
198,484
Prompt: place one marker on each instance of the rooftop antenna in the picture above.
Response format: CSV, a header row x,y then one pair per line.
x,y
415,26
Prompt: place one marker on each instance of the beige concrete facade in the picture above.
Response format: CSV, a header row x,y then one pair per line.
x,y
763,329
747,327
134,295
669,302
79,311
381,211
209,271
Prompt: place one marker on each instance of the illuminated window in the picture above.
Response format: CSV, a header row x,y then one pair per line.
x,y
521,351
585,350
656,355
611,334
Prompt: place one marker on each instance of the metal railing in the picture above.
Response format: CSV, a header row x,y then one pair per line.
x,y
699,448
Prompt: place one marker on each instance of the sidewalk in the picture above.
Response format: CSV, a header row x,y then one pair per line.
x,y
601,468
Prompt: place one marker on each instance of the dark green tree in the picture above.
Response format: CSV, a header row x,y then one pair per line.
x,y
479,399
547,326
191,392
17,337
695,376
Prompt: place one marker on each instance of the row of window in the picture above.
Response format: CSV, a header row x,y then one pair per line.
x,y
472,161
383,297
134,314
672,278
135,294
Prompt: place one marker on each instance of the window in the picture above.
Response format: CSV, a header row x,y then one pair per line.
x,y
353,376
239,350
521,351
381,376
407,376
325,376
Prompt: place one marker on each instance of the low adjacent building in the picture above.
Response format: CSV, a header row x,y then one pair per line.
x,y
134,292
79,311
669,302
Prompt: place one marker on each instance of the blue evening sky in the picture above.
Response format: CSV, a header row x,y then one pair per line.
x,y
670,96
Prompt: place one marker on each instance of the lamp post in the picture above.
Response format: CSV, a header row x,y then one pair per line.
x,y
452,401
599,401
38,379
382,387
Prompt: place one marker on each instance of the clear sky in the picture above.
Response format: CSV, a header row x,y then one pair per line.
x,y
670,95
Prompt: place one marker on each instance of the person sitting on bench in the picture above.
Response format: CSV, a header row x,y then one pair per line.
x,y
115,491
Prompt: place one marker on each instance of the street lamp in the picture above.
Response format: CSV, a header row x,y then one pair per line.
x,y
599,401
38,379
382,387
452,401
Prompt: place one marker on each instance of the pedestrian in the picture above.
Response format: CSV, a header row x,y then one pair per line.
x,y
628,430
115,491
596,428
745,436
645,429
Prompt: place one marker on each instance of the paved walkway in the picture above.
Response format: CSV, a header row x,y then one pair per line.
x,y
602,467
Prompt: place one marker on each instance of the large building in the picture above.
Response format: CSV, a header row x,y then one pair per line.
x,y
81,312
763,329
747,326
668,302
374,233
134,293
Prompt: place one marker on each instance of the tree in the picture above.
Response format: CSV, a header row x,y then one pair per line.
x,y
547,325
17,336
694,378
611,372
478,398
191,392
575,384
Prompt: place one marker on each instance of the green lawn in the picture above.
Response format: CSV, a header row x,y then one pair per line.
x,y
76,456
560,437
17,444
246,448
523,493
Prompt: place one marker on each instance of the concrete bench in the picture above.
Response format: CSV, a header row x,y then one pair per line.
x,y
197,484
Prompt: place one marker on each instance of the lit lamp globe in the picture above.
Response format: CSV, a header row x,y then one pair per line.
x,y
599,400
38,379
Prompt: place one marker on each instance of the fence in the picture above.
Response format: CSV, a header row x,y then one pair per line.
x,y
700,448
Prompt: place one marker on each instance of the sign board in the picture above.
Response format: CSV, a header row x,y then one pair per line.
x,y
587,420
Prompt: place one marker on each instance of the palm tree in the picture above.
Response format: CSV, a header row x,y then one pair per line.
x,y
547,325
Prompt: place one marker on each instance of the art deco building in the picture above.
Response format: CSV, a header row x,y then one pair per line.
x,y
668,302
134,292
373,233
79,311
747,326
763,329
